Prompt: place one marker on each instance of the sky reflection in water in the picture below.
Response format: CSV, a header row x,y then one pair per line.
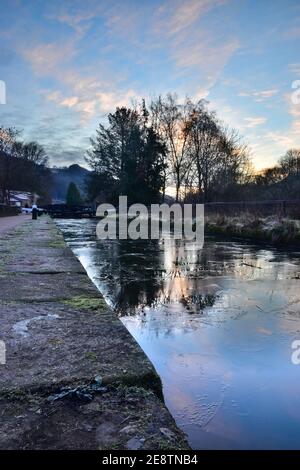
x,y
218,326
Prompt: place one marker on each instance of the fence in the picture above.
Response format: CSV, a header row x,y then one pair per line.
x,y
281,208
72,212
8,210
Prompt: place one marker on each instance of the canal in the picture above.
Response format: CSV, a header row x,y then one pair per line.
x,y
218,325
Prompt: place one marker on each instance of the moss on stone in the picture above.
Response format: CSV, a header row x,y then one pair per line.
x,y
91,356
57,244
86,303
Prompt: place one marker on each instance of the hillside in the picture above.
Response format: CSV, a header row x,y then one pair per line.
x,y
62,177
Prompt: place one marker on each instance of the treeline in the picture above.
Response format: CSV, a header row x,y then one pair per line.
x,y
144,151
148,152
281,181
23,166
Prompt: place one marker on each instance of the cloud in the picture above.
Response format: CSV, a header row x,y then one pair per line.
x,y
296,128
295,68
254,121
261,95
198,52
174,20
70,102
194,51
54,96
204,54
290,138
86,95
265,94
201,94
84,104
94,56
271,145
285,140
92,97
293,108
80,21
78,16
46,58
111,100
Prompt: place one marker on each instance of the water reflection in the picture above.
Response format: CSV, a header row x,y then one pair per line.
x,y
218,326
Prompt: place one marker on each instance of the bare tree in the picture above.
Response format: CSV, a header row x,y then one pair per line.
x,y
172,121
22,165
34,152
203,155
233,155
290,163
204,146
7,161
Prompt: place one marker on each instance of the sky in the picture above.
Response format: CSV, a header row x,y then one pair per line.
x,y
66,64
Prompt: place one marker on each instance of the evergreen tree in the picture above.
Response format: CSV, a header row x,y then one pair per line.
x,y
73,197
129,156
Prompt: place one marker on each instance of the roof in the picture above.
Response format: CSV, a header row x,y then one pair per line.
x,y
20,196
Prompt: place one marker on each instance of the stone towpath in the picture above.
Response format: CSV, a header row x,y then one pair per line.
x,y
73,377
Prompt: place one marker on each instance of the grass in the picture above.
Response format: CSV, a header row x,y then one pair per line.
x,y
271,229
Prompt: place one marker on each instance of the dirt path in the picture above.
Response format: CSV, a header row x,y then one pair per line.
x,y
8,223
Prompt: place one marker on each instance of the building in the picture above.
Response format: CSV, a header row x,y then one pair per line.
x,y
22,199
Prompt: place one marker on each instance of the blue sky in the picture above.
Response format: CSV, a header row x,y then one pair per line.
x,y
66,64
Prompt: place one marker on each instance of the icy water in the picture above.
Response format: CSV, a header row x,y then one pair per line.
x,y
218,326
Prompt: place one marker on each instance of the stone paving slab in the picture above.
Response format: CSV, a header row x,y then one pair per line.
x,y
45,260
51,344
22,286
